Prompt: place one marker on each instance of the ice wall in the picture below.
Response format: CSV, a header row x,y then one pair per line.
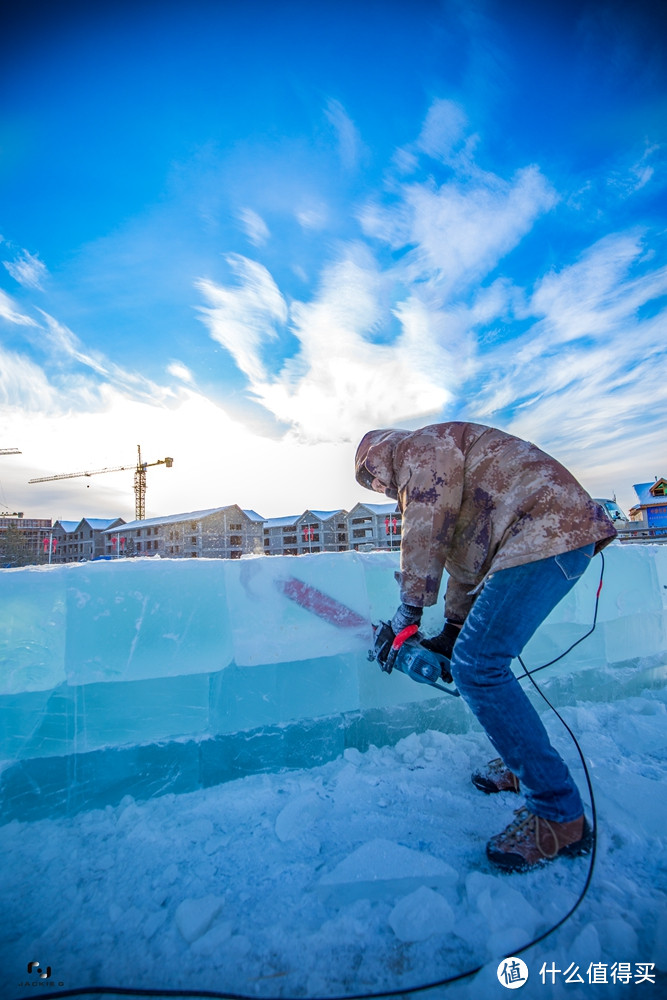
x,y
144,676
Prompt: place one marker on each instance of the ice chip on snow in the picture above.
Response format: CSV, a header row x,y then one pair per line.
x,y
194,916
211,942
421,914
380,867
502,906
298,815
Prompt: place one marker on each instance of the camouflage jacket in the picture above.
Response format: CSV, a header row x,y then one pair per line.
x,y
475,500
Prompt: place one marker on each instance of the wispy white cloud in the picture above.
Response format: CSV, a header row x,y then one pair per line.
x,y
365,355
24,384
635,172
9,311
254,227
460,230
597,295
445,131
65,347
313,215
585,377
27,269
181,372
245,317
350,146
339,379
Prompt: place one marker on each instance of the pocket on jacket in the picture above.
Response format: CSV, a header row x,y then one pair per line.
x,y
575,563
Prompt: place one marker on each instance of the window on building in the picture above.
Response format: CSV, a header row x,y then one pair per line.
x,y
235,540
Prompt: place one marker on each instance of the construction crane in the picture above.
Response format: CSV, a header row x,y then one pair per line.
x,y
139,479
9,451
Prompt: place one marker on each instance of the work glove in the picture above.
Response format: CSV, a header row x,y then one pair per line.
x,y
385,654
443,644
407,614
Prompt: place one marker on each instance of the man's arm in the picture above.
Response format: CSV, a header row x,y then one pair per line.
x,y
430,485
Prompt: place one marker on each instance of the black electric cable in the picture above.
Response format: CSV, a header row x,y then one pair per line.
x,y
527,673
128,991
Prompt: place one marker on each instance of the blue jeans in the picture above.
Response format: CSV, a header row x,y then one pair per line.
x,y
510,607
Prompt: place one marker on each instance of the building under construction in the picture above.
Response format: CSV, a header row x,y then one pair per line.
x,y
24,541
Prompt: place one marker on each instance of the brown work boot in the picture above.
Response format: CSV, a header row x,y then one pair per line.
x,y
495,777
532,840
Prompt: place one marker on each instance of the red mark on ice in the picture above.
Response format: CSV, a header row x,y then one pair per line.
x,y
321,604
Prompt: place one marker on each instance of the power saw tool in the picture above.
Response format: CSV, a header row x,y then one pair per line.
x,y
405,652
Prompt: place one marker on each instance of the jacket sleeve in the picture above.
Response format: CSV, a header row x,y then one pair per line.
x,y
429,477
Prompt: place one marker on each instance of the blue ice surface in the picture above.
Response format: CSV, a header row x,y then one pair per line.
x,y
147,676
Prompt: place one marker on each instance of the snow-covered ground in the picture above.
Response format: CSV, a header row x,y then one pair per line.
x,y
366,874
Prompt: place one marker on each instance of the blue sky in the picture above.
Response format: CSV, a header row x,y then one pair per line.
x,y
242,234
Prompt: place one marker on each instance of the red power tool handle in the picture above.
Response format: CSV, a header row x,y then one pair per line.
x,y
405,633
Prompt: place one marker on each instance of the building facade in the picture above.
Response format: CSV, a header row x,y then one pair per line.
x,y
312,531
216,533
80,541
651,510
375,526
